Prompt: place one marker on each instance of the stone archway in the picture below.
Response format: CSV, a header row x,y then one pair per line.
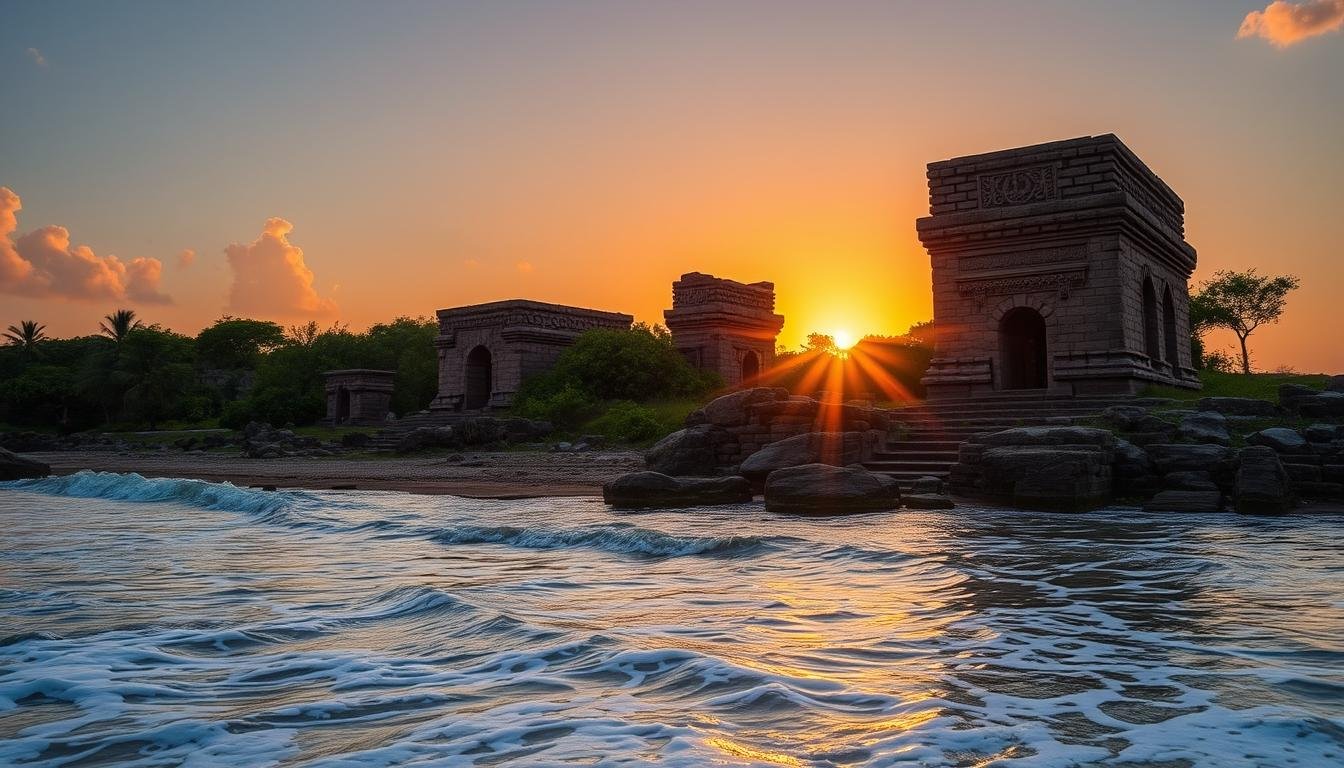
x,y
1022,353
479,377
1151,344
751,367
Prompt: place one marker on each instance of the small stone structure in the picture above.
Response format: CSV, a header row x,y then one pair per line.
x,y
358,396
1060,267
486,350
724,326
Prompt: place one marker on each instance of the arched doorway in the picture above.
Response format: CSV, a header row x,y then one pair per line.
x,y
751,367
1150,342
1022,349
479,379
1169,326
342,405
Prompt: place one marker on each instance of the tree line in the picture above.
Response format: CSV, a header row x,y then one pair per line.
x,y
132,374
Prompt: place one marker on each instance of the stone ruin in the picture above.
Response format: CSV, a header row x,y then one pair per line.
x,y
1059,267
358,396
724,326
486,350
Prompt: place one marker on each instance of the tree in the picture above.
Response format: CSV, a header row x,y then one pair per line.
x,y
1241,302
235,343
819,342
156,368
117,325
27,335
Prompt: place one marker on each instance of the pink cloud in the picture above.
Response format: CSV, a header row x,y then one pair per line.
x,y
42,263
1284,23
185,258
271,278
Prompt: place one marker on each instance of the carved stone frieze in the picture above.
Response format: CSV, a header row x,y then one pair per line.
x,y
1018,187
1028,283
1069,253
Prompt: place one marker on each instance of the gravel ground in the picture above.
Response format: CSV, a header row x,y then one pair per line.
x,y
483,475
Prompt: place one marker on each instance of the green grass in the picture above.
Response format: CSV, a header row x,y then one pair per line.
x,y
1261,386
670,415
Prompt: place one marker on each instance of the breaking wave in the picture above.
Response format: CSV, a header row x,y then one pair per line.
x,y
626,540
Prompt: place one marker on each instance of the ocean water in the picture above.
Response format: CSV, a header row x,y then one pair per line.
x,y
173,622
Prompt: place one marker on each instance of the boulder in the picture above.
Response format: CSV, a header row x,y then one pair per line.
x,y
422,438
1133,470
1047,478
834,448
1281,439
16,467
1190,480
652,489
1238,406
1262,486
1205,427
927,485
1323,433
689,451
822,489
1290,395
1125,418
733,409
1335,384
1175,457
1185,501
1324,405
927,501
1050,436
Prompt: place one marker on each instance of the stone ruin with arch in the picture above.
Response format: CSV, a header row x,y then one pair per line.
x,y
724,326
1059,267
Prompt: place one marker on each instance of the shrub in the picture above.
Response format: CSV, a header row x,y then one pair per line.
x,y
628,422
566,408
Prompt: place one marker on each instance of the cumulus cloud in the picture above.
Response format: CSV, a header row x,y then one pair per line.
x,y
1284,23
42,263
271,278
37,57
186,257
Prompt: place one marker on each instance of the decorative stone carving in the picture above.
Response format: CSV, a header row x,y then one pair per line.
x,y
1045,281
1018,186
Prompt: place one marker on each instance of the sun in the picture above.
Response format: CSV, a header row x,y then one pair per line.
x,y
843,339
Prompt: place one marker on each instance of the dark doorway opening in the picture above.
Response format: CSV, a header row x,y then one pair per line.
x,y
1022,349
1150,340
342,405
479,378
751,367
1169,327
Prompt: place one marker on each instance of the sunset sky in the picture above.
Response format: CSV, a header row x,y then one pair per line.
x,y
346,161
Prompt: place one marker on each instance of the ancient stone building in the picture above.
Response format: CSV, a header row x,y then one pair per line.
x,y
358,396
486,350
724,326
1059,267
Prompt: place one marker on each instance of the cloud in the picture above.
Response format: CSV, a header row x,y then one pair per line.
x,y
42,263
271,278
1284,23
525,267
185,258
37,57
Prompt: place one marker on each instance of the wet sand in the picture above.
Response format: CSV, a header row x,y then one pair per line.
x,y
494,475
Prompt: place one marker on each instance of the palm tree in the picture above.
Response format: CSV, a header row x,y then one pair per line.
x,y
27,335
116,325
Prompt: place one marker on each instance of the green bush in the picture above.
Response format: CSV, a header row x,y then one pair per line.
x,y
565,409
628,422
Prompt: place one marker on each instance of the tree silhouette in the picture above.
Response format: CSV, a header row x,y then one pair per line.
x,y
26,335
1241,302
118,324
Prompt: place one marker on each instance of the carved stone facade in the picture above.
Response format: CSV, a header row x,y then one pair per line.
x,y
1060,267
486,350
724,326
358,396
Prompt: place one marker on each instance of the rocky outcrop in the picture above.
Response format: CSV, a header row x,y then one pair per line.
x,y
1313,458
16,467
1205,427
1311,403
1049,468
476,432
653,489
1263,486
1238,406
1279,439
689,451
834,448
735,409
1177,457
822,489
1133,471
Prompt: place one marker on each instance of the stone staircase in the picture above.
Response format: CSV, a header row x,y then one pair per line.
x,y
386,439
925,442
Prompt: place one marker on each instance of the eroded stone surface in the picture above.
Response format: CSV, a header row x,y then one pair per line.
x,y
652,489
821,489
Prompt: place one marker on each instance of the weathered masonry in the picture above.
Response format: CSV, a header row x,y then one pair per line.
x,y
358,396
486,350
724,326
1059,267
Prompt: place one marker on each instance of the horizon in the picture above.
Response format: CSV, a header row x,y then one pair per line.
x,y
356,164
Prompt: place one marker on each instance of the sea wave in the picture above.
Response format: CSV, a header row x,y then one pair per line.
x,y
115,486
625,540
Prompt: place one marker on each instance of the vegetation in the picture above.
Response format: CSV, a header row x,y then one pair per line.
x,y
610,378
1262,386
131,375
1240,302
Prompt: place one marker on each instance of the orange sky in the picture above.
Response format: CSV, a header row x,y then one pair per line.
x,y
429,157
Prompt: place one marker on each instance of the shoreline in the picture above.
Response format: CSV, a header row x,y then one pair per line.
x,y
480,475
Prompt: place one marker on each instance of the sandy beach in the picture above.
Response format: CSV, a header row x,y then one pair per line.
x,y
499,475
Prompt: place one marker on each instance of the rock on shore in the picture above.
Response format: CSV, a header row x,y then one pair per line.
x,y
653,489
821,489
16,467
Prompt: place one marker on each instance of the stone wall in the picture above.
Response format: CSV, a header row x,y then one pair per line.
x,y
724,326
486,350
1067,232
358,396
